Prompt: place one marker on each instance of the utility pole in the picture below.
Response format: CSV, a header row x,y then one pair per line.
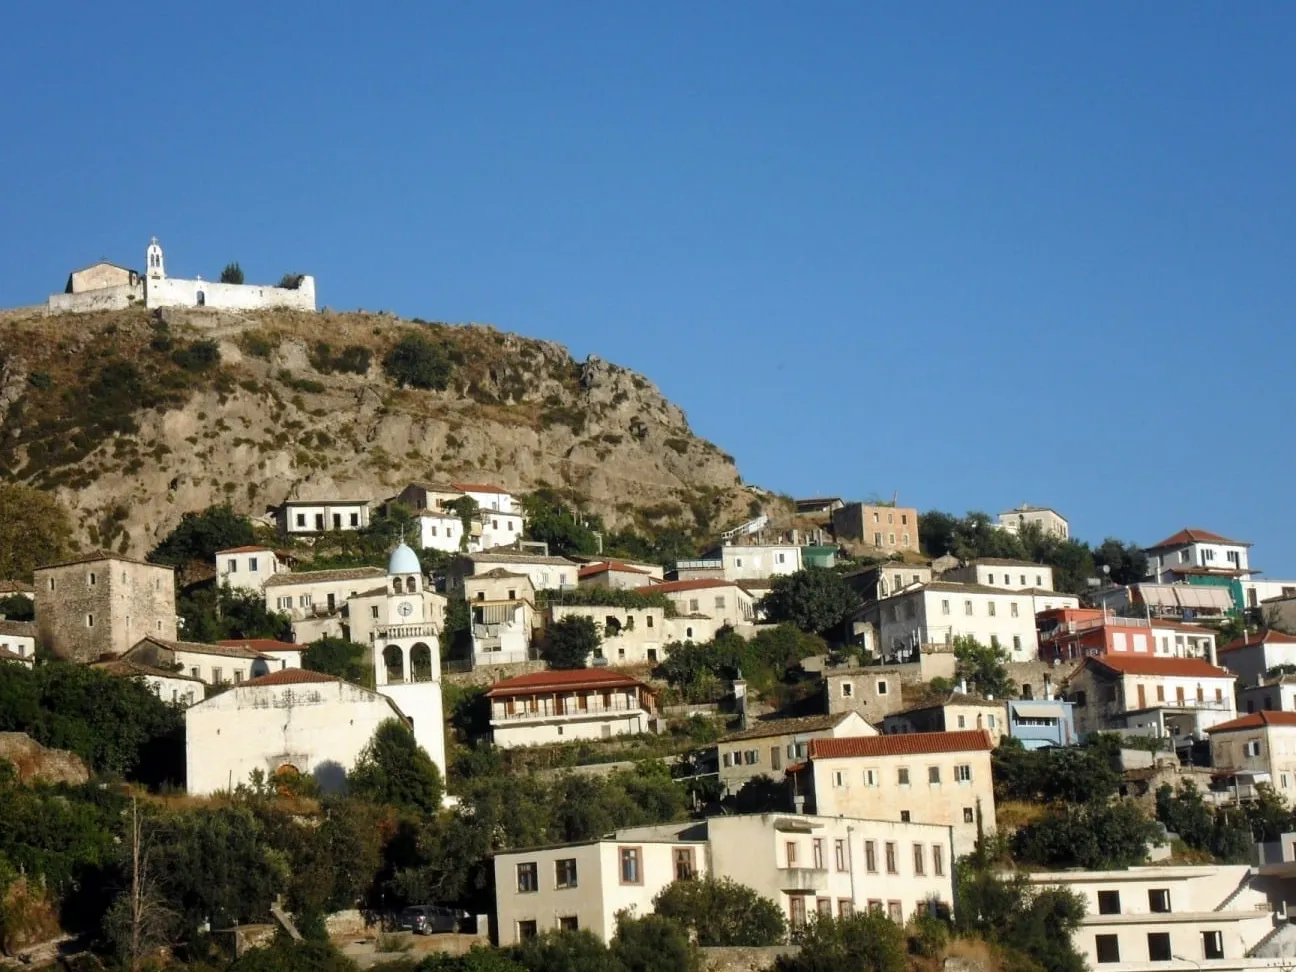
x,y
135,885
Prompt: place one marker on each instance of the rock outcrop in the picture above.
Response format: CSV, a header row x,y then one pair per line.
x,y
37,764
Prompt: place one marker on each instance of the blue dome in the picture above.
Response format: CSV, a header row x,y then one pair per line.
x,y
404,561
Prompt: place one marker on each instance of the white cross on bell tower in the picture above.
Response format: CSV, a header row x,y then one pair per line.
x,y
153,260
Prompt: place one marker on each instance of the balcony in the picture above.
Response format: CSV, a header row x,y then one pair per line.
x,y
408,631
569,712
802,878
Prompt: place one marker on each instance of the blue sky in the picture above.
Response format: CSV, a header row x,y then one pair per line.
x,y
978,254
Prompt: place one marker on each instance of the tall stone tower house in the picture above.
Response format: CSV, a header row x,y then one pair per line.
x,y
101,605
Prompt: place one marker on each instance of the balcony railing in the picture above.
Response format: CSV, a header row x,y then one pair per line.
x,y
568,711
409,631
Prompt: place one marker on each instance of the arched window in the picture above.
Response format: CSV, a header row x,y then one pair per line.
x,y
411,586
202,299
421,663
394,662
396,586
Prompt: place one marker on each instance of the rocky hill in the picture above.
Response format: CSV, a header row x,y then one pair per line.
x,y
134,417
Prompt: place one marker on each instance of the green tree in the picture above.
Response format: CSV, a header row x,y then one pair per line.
x,y
17,607
1127,562
199,535
393,769
1007,911
1095,836
574,951
865,942
1070,774
290,281
570,641
722,912
197,356
232,274
34,530
562,527
814,599
286,956
1224,833
984,666
417,362
653,943
337,656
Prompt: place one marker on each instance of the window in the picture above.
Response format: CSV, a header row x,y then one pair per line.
x,y
870,777
1012,609
938,860
797,910
870,856
693,605
569,923
839,853
847,690
1160,693
89,620
355,519
252,563
283,603
945,606
962,722
890,539
525,930
725,760
881,686
920,860
845,907
218,676
902,776
528,878
933,774
1212,945
1109,902
968,815
904,816
817,853
1158,946
738,562
304,600
685,864
631,865
790,852
1017,643
839,779
823,907
990,721
990,609
1039,581
895,911
1106,948
565,872
301,519
92,578
238,677
751,757
1252,747
963,773
875,906
877,539
891,865
967,608
720,603
1159,901
904,540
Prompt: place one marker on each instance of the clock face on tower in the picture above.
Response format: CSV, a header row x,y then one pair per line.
x,y
405,609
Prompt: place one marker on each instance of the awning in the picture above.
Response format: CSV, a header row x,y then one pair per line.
x,y
1036,711
1200,596
1158,595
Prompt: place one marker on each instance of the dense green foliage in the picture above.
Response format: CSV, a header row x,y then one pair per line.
x,y
17,607
337,656
199,535
34,530
658,537
418,362
643,597
216,613
1071,774
116,725
984,666
570,641
1223,832
232,274
558,525
354,358
868,941
701,671
197,356
1095,836
814,599
1033,923
722,912
394,770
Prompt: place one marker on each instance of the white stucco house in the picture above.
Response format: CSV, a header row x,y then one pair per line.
x,y
1051,522
439,530
247,568
322,516
488,496
18,642
561,706
211,664
1192,551
176,688
756,561
1012,575
291,721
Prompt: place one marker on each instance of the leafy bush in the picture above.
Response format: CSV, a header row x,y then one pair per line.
x,y
570,641
256,344
290,281
198,356
722,912
393,769
1222,832
700,670
232,274
1095,836
865,942
199,535
1005,910
337,656
814,599
417,362
34,530
1070,774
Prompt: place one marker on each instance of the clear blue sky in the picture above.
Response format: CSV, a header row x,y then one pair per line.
x,y
978,254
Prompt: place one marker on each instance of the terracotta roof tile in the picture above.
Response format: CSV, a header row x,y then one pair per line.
x,y
251,549
1189,535
325,576
701,583
291,676
1151,665
15,587
565,680
263,644
497,557
593,570
1256,720
1265,636
765,728
201,648
123,668
18,629
903,744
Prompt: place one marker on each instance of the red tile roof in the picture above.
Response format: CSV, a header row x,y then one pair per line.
x,y
1189,535
593,570
16,587
291,676
479,488
263,644
1255,720
252,549
1151,665
1197,629
564,680
1264,636
701,583
902,744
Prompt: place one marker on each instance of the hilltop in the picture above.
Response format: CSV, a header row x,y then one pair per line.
x,y
133,417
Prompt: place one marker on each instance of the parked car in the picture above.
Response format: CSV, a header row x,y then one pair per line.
x,y
429,919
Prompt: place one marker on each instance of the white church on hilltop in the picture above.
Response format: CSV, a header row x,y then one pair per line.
x,y
108,286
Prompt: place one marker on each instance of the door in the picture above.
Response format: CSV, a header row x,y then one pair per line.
x,y
1142,696
319,522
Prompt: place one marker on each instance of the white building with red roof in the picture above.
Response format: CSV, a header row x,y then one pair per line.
x,y
1176,698
614,574
288,655
725,601
923,777
561,706
1259,747
1252,656
290,721
1190,552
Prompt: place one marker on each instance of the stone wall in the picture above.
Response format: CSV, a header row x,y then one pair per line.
x,y
104,298
1033,673
89,609
173,292
736,959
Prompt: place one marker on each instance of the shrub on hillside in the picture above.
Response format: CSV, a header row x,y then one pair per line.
x,y
417,362
198,356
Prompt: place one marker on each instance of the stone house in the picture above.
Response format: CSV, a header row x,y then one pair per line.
x,y
613,574
318,593
1259,747
544,571
890,529
928,777
768,747
627,636
561,706
99,606
291,721
872,692
954,712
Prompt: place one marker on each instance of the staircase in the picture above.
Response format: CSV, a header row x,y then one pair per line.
x,y
755,525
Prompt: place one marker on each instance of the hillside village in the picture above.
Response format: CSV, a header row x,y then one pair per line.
x,y
847,706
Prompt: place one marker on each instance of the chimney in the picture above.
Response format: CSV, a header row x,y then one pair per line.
x,y
796,535
798,804
962,686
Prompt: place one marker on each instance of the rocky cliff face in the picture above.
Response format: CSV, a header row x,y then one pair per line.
x,y
128,417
